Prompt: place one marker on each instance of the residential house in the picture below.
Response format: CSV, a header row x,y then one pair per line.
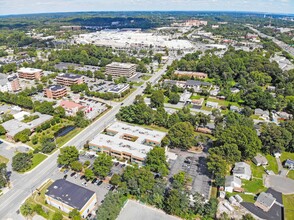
x,y
233,183
242,170
212,104
289,164
265,201
260,160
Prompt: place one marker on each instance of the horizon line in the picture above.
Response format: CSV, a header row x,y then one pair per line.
x,y
213,11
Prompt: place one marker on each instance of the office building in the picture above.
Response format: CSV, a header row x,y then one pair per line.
x,y
119,89
67,196
128,142
68,79
30,73
9,83
121,69
55,92
71,108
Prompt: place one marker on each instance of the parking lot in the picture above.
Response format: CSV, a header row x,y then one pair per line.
x,y
195,166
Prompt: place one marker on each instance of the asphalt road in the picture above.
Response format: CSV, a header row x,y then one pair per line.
x,y
24,184
283,45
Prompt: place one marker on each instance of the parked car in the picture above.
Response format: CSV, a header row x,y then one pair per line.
x,y
82,177
72,174
99,183
65,171
84,183
94,181
116,164
64,177
123,165
112,188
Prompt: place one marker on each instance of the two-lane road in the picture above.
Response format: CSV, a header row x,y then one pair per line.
x,y
25,184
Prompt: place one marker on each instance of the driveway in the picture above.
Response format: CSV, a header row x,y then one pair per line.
x,y
279,183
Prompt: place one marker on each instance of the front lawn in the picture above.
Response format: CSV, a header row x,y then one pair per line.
x,y
223,102
3,159
288,201
37,159
257,171
291,174
253,186
287,155
146,77
272,163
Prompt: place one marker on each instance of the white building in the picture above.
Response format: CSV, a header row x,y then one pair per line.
x,y
232,183
119,89
67,196
242,170
212,104
127,142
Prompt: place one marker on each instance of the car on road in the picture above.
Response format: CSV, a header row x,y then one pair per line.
x,y
72,174
65,176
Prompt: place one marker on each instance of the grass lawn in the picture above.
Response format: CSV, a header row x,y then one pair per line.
x,y
195,96
287,155
3,159
272,163
205,108
245,197
222,102
138,83
256,171
146,77
253,186
213,192
291,174
288,201
37,159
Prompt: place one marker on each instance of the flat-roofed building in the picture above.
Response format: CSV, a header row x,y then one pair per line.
x,y
67,196
9,83
127,142
55,91
198,75
71,108
119,89
68,79
30,73
116,69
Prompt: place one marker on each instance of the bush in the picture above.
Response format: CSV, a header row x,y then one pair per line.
x,y
57,216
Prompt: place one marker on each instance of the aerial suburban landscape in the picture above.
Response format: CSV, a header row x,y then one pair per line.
x,y
135,110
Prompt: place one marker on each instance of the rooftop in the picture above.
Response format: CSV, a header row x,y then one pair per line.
x,y
231,180
70,104
29,70
266,199
121,65
242,168
55,87
70,76
69,193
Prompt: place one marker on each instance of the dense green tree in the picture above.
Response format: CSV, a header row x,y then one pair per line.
x,y
57,216
22,136
172,120
174,98
74,214
180,180
289,126
68,155
102,165
177,203
160,117
229,152
26,209
44,107
59,112
156,99
3,175
156,161
181,135
2,130
274,138
115,179
47,145
89,174
21,162
76,166
217,165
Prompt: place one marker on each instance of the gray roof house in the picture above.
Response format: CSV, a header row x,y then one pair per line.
x,y
289,164
242,170
260,160
232,183
265,201
261,112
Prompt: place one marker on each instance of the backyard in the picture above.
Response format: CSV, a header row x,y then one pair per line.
x,y
288,201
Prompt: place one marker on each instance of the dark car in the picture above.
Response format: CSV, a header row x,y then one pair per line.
x,y
116,164
82,177
112,188
72,174
94,181
99,183
65,176
123,165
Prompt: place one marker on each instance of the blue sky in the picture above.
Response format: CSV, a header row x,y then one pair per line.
x,y
40,6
